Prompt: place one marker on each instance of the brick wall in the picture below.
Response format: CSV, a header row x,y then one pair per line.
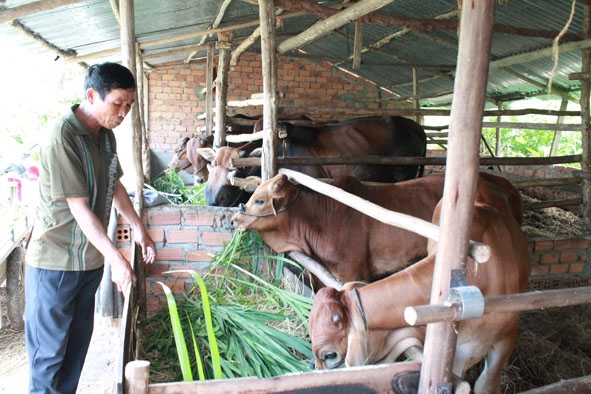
x,y
187,236
176,99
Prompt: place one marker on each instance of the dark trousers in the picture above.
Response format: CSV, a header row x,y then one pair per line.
x,y
59,318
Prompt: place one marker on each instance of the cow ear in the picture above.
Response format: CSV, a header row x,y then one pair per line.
x,y
278,186
207,153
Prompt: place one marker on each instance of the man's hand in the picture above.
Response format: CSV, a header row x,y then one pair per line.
x,y
147,244
121,273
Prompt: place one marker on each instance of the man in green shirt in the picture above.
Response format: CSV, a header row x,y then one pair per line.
x,y
78,184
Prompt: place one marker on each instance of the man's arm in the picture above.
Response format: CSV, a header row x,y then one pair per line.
x,y
121,272
140,235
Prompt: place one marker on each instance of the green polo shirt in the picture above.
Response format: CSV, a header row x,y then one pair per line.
x,y
72,165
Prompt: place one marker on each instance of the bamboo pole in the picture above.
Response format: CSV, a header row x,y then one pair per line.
x,y
270,96
460,183
425,314
478,251
316,269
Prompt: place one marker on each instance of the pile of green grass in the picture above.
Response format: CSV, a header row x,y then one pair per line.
x,y
238,320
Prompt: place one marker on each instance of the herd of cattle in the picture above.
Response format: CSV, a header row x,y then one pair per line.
x,y
386,268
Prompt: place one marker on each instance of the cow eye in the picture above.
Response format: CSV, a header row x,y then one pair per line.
x,y
260,202
331,355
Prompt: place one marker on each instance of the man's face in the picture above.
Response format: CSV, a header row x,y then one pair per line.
x,y
111,111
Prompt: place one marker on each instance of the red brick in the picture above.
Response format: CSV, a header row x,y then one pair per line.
x,y
182,236
200,255
559,269
563,244
216,239
544,245
549,258
194,218
566,257
577,268
165,218
580,243
170,254
539,270
157,269
157,234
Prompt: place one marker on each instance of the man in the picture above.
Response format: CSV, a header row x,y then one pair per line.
x,y
78,184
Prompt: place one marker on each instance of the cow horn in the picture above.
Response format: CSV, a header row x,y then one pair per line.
x,y
336,319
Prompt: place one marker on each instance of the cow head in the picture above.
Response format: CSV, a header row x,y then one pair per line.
x,y
337,331
270,199
219,190
179,159
199,163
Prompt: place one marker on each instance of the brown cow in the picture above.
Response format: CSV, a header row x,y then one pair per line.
x,y
349,244
339,331
186,156
386,136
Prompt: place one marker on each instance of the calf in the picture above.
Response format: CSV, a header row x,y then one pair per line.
x,y
349,244
343,324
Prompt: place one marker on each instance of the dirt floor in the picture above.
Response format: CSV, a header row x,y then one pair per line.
x,y
97,375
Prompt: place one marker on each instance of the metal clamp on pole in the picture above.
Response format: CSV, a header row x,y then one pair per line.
x,y
470,300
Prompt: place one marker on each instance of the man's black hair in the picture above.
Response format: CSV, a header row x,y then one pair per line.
x,y
108,76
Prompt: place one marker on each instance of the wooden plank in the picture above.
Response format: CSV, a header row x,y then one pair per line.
x,y
576,385
357,380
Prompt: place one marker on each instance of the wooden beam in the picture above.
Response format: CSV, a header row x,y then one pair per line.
x,y
209,95
8,14
323,28
425,314
357,46
414,23
586,119
270,96
43,42
460,183
221,88
540,54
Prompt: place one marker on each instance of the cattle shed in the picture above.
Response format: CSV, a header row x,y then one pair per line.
x,y
198,63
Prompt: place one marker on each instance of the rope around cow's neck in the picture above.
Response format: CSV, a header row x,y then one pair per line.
x,y
262,215
360,306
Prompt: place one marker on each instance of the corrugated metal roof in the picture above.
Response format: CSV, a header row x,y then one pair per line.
x,y
169,30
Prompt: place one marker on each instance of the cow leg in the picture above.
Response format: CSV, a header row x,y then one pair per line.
x,y
497,357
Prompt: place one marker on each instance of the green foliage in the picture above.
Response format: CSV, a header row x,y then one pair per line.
x,y
257,327
169,184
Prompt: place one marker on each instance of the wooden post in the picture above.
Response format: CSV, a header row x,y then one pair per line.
x,y
357,45
269,58
586,122
460,183
209,92
558,133
221,89
137,377
15,288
